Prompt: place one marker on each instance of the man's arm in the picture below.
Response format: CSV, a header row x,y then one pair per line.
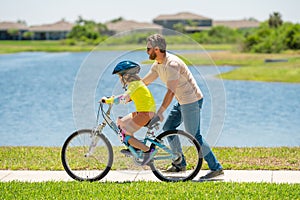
x,y
150,77
168,98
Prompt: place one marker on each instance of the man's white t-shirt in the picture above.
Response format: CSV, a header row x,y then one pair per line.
x,y
173,68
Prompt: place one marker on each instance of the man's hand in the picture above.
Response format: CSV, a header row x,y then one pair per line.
x,y
161,116
166,102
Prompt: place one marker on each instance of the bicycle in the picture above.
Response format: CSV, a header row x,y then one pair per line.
x,y
87,154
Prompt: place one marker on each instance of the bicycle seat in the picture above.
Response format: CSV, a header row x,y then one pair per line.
x,y
152,121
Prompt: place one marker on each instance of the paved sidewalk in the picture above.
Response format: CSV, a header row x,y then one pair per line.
x,y
127,175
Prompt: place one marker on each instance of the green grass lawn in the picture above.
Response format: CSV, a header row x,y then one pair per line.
x,y
48,158
8,46
252,67
148,190
260,158
46,46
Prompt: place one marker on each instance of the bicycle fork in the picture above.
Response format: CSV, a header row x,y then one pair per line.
x,y
95,139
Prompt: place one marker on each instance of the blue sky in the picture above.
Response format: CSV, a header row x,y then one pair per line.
x,y
36,12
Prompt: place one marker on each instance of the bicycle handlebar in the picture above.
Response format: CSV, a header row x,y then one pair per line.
x,y
106,114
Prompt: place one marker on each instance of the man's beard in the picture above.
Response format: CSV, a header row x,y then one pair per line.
x,y
152,56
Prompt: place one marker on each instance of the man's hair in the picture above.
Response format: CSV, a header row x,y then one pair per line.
x,y
157,40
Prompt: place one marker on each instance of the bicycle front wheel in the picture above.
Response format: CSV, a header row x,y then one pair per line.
x,y
189,157
87,156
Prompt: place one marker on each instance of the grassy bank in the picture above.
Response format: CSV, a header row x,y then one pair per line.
x,y
61,46
253,67
45,46
48,158
148,190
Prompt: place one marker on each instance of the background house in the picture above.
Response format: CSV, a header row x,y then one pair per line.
x,y
237,24
129,25
12,30
55,31
191,23
185,20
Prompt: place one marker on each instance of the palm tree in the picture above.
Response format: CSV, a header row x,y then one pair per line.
x,y
275,20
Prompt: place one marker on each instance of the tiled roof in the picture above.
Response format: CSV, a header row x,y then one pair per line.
x,y
12,25
127,25
181,16
58,26
237,23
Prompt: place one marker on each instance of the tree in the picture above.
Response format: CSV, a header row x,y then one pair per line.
x,y
87,30
179,27
223,34
14,33
192,23
275,20
117,20
273,40
292,36
28,35
21,22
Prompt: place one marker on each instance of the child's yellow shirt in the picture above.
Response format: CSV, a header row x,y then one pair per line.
x,y
141,96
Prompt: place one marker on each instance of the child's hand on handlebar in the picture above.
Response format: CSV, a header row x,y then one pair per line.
x,y
103,99
107,100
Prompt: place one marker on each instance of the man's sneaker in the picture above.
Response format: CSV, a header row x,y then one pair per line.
x,y
147,156
175,168
213,174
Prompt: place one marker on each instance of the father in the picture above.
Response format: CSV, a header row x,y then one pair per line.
x,y
180,83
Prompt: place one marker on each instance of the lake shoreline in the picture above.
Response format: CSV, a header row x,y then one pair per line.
x,y
250,66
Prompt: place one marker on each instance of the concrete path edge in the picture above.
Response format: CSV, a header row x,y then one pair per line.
x,y
280,176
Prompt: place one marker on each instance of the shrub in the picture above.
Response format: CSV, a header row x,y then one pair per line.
x,y
292,36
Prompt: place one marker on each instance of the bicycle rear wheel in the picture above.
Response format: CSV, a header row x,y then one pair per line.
x,y
86,156
189,155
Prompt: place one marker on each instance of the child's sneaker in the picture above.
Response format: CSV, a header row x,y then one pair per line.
x,y
147,156
127,152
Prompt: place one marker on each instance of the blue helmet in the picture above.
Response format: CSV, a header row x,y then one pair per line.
x,y
125,67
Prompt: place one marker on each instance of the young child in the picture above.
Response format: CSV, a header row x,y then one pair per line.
x,y
136,91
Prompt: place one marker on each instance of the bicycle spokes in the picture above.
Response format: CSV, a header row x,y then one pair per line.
x,y
86,156
185,154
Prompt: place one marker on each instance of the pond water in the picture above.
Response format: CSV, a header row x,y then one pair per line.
x,y
44,97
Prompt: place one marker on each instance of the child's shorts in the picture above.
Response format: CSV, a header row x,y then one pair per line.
x,y
142,118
